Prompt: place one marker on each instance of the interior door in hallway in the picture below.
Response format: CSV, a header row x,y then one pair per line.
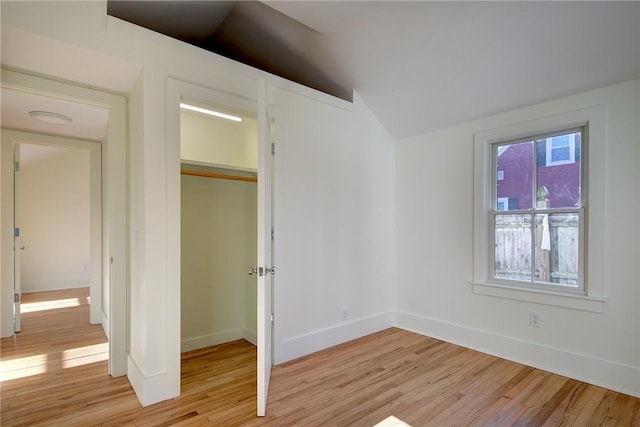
x,y
17,244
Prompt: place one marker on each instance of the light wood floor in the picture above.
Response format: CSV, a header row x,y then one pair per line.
x,y
53,373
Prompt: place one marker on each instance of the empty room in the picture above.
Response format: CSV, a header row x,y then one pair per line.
x,y
426,215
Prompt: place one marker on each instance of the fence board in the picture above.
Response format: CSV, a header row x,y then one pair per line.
x,y
513,256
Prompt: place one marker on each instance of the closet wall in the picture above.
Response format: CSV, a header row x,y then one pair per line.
x,y
219,142
218,234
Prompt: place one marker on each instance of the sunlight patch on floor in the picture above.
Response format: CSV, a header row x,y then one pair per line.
x,y
85,355
23,367
52,362
392,421
31,307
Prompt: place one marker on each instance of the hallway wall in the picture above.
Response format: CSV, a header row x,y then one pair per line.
x,y
53,212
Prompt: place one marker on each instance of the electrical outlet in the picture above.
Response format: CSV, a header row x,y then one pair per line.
x,y
534,319
345,313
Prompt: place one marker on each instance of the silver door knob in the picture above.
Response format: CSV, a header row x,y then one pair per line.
x,y
252,271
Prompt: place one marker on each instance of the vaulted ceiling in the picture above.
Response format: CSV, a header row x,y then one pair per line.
x,y
246,31
419,66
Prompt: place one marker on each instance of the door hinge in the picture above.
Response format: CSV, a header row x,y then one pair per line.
x,y
273,319
16,297
16,232
273,148
16,166
273,233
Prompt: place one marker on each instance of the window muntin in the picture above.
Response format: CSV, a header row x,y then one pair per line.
x,y
537,215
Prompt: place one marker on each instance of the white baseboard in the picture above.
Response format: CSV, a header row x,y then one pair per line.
x,y
301,345
251,336
105,325
603,373
208,340
152,389
54,284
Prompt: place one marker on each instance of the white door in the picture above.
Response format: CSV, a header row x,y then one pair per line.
x,y
17,245
265,255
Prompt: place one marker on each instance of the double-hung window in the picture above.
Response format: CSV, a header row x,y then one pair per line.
x,y
539,210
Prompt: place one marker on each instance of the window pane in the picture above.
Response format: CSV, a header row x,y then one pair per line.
x,y
557,248
560,154
513,247
558,172
515,166
560,141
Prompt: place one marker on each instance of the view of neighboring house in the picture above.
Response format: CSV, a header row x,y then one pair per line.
x,y
553,184
558,170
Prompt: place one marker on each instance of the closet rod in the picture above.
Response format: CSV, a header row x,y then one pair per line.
x,y
219,175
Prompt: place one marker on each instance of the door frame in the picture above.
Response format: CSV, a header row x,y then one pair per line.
x,y
114,204
93,148
179,91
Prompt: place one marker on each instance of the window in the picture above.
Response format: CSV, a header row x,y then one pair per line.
x,y
503,204
532,241
537,215
562,149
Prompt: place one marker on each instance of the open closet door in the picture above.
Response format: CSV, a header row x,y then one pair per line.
x,y
265,255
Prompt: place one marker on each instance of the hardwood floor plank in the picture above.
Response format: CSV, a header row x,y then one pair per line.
x,y
52,375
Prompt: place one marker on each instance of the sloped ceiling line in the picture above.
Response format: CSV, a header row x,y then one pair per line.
x,y
246,31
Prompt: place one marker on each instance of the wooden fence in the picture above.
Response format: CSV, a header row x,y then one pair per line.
x,y
513,251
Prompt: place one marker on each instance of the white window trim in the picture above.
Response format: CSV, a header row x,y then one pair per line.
x,y
593,118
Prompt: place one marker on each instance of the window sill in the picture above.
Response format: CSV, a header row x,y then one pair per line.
x,y
576,302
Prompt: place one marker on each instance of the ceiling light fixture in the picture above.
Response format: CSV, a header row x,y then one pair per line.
x,y
50,118
210,112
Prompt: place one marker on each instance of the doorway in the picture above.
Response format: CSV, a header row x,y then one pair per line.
x,y
53,193
22,94
179,92
218,227
55,209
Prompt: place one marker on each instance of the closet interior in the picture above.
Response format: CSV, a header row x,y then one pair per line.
x,y
218,229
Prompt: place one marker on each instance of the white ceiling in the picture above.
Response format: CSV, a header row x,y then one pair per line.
x,y
421,66
89,122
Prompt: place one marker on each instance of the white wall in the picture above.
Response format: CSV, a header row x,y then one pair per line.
x,y
53,213
218,142
215,236
435,253
334,219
